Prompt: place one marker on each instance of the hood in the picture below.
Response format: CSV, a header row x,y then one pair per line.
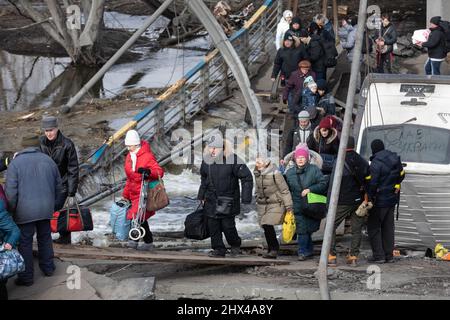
x,y
145,148
330,139
387,157
270,169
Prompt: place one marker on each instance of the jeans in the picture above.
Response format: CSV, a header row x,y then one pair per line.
x,y
433,67
342,212
228,227
305,244
381,228
45,248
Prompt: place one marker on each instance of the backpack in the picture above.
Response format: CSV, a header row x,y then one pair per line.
x,y
445,25
331,53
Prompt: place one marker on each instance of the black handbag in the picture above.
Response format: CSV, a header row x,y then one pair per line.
x,y
224,204
312,206
196,225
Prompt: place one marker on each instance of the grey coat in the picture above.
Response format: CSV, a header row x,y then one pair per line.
x,y
347,36
273,197
32,185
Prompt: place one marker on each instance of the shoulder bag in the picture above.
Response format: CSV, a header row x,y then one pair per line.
x,y
314,205
224,204
157,197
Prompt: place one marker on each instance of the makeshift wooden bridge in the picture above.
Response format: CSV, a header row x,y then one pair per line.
x,y
123,254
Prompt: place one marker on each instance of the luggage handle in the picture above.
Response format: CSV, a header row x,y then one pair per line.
x,y
68,211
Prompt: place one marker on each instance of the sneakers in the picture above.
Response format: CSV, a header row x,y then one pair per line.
x,y
131,244
146,247
216,254
235,251
302,257
352,260
375,260
270,255
332,260
20,282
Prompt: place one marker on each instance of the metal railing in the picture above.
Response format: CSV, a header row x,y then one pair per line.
x,y
197,89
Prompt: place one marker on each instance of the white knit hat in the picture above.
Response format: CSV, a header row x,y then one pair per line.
x,y
132,138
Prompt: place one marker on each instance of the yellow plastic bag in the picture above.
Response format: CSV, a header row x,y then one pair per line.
x,y
289,227
441,252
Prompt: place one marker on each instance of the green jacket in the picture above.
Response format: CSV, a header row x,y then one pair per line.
x,y
311,178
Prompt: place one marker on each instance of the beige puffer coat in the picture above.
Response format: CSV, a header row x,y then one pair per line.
x,y
273,198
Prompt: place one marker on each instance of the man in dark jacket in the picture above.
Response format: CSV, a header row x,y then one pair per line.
x,y
315,50
63,152
386,172
287,59
436,48
356,171
327,104
220,172
385,44
33,184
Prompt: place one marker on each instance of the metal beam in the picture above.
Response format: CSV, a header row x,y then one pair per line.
x,y
66,108
329,227
222,43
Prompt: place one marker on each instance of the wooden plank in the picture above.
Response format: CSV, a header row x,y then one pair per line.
x,y
89,252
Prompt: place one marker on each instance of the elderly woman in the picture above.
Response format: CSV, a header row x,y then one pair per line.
x,y
139,161
302,179
282,27
273,199
325,141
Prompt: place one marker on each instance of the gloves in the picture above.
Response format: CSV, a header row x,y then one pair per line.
x,y
285,101
144,171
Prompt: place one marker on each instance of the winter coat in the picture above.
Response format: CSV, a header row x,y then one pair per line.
x,y
296,135
287,60
221,178
311,178
314,158
63,152
328,27
132,190
33,184
295,84
282,27
389,34
328,104
273,198
9,232
316,53
330,145
386,171
347,35
436,44
353,182
309,99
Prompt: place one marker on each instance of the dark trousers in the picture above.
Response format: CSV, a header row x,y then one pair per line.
x,y
433,67
3,290
59,204
380,228
148,238
271,237
384,60
45,248
343,212
227,226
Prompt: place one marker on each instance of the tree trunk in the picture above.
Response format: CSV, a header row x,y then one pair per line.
x,y
81,48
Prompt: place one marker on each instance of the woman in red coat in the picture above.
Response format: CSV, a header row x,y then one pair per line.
x,y
140,160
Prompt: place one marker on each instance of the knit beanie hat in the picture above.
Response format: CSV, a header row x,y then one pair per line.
x,y
436,20
288,36
325,124
296,20
377,145
308,80
301,151
132,138
303,115
321,84
287,13
216,141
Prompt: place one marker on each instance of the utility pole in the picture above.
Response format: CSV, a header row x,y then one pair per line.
x,y
329,227
325,7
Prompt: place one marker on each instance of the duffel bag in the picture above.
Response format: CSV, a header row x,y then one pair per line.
x,y
72,219
11,263
196,225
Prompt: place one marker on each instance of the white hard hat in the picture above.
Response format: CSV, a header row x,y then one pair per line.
x,y
132,138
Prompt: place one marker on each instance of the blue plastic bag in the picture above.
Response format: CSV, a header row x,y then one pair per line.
x,y
11,263
118,220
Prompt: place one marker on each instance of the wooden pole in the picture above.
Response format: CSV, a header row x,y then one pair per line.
x,y
335,19
294,7
325,7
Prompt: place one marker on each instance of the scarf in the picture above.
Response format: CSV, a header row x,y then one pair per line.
x,y
133,156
